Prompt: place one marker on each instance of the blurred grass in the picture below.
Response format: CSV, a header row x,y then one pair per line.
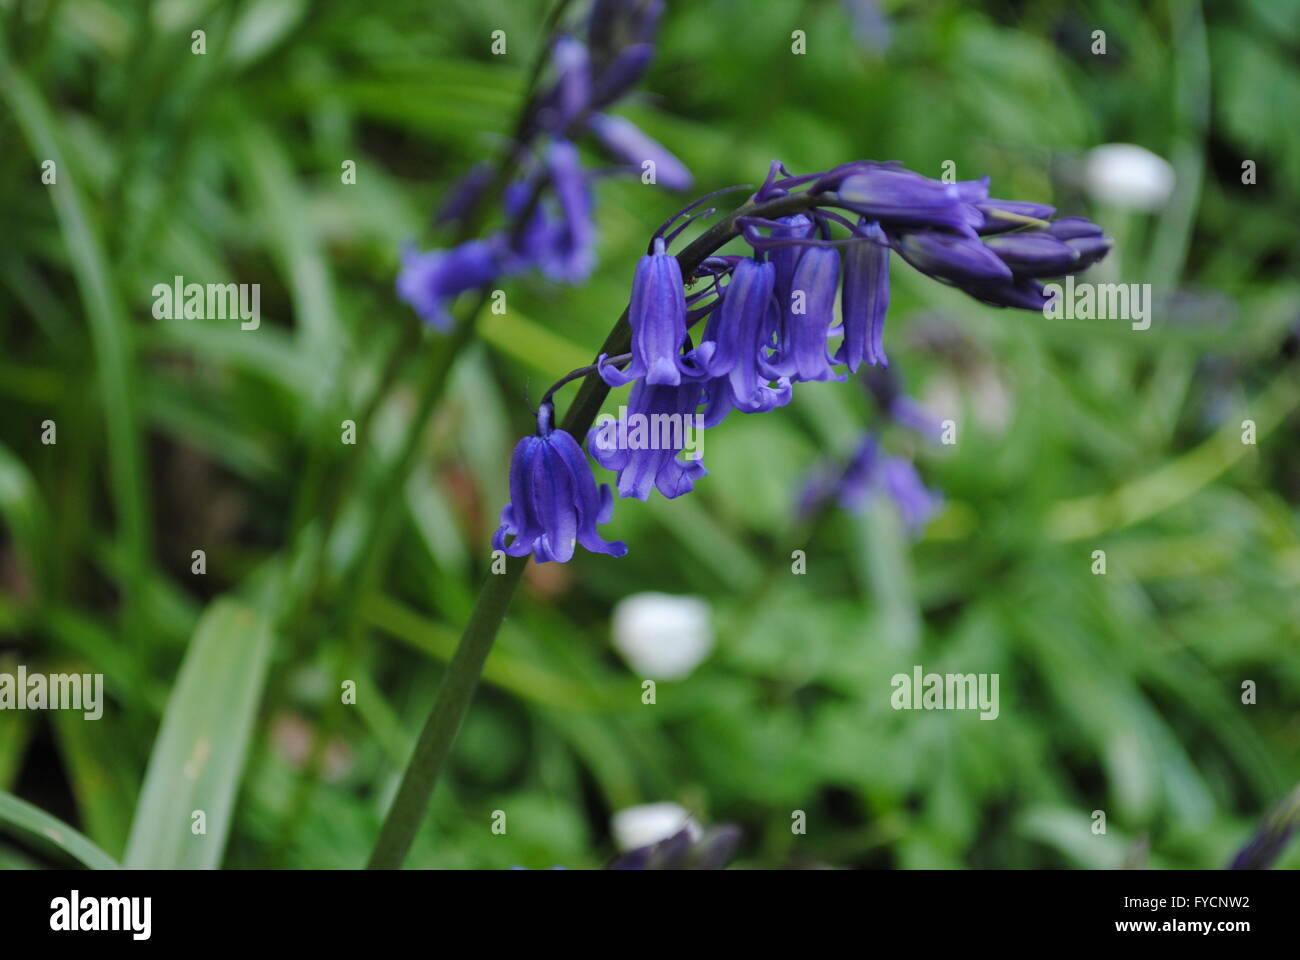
x,y
1119,692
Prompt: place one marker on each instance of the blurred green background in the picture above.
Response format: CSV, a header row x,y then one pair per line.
x,y
1119,693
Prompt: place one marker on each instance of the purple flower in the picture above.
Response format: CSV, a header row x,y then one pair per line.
x,y
739,331
625,141
657,314
428,281
660,423
995,222
1068,228
572,93
916,505
1020,294
865,299
1033,254
901,198
807,317
867,472
554,502
785,259
622,74
569,256
951,258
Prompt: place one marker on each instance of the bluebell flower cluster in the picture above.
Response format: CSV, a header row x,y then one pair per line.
x,y
769,318
869,470
548,205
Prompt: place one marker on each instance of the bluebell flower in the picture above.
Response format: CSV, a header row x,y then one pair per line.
x,y
865,299
740,330
572,92
770,316
622,74
916,504
1034,254
554,501
786,258
952,258
896,197
625,141
657,315
661,421
995,219
868,472
713,850
569,255
807,318
429,280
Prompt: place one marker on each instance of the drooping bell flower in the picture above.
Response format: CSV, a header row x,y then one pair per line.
x,y
740,331
736,326
901,198
864,299
429,280
867,472
806,320
786,258
957,260
554,501
1034,254
660,423
1002,215
916,504
569,256
625,142
657,315
572,93
1084,236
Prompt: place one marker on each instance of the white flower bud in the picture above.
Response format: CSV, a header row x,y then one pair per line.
x,y
663,637
651,822
1126,175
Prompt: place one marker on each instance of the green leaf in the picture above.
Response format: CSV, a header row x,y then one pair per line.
x,y
199,755
24,818
103,775
109,328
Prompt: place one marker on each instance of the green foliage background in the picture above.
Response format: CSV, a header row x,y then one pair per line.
x,y
1119,692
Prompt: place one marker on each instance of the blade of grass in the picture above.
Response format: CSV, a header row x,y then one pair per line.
x,y
109,329
23,818
199,754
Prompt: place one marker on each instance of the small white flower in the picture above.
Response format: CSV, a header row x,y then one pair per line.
x,y
1126,175
663,637
650,823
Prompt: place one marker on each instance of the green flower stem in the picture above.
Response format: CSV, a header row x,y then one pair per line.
x,y
449,709
462,676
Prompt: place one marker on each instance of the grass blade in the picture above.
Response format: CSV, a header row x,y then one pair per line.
x,y
26,819
198,758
